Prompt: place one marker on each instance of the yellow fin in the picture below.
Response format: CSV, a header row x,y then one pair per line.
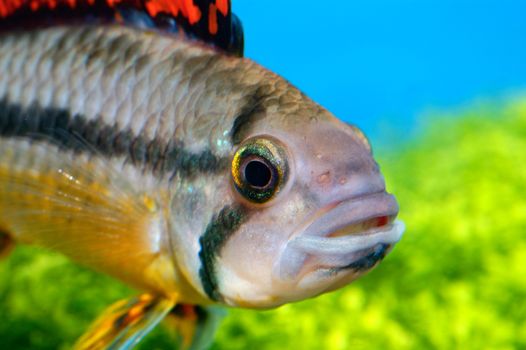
x,y
125,323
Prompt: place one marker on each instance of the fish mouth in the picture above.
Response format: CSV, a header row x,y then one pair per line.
x,y
349,235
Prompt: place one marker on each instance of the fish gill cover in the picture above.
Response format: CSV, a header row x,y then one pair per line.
x,y
456,282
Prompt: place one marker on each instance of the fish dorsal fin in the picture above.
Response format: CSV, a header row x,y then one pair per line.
x,y
209,21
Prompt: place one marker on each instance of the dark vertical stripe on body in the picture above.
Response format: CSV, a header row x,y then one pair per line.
x,y
76,133
218,231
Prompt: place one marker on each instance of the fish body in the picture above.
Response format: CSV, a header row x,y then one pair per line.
x,y
90,160
190,173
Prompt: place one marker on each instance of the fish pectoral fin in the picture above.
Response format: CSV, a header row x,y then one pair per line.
x,y
125,323
6,244
195,325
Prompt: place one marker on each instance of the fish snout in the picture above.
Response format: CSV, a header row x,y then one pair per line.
x,y
347,235
339,165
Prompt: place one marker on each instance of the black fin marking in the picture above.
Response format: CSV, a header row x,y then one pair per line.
x,y
125,323
195,325
6,244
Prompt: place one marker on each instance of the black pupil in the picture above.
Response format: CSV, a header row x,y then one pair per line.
x,y
257,173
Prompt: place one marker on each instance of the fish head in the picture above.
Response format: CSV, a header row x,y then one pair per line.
x,y
300,209
315,212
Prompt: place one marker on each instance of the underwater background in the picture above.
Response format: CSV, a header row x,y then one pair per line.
x,y
440,88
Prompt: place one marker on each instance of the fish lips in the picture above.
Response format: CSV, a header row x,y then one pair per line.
x,y
351,235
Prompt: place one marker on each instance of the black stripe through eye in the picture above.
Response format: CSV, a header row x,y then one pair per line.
x,y
253,110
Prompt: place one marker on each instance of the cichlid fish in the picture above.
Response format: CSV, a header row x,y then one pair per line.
x,y
137,141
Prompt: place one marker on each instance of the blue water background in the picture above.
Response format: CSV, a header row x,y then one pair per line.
x,y
382,64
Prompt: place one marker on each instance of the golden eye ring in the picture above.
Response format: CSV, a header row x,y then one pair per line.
x,y
259,169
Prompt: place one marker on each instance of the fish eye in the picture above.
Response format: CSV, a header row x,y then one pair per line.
x,y
258,173
259,169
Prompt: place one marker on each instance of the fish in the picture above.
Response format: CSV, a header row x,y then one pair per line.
x,y
137,140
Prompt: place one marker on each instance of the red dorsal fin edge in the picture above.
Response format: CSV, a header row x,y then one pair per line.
x,y
210,21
